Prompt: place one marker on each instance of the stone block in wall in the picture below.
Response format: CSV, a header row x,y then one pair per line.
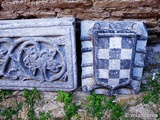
x,y
38,53
113,55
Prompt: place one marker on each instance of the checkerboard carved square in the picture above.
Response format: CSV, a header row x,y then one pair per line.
x,y
38,53
116,59
121,52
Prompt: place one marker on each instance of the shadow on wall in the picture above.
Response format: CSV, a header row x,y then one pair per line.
x,y
78,50
26,17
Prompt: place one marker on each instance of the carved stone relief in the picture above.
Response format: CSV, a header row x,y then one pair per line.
x,y
38,59
32,58
118,61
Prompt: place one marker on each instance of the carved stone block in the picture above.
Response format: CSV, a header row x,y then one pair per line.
x,y
38,53
112,56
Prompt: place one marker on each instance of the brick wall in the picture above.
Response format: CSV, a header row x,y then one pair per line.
x,y
146,10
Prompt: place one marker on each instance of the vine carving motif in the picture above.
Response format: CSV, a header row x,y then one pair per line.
x,y
31,58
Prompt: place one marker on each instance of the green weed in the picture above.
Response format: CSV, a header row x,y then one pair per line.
x,y
117,111
44,116
8,112
4,94
70,107
98,104
30,98
153,90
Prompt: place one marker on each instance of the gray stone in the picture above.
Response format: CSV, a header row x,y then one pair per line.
x,y
137,73
139,60
88,59
38,53
49,103
87,71
136,85
142,112
141,46
118,50
153,56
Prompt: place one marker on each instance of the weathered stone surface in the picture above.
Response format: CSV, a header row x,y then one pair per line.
x,y
130,100
145,10
43,5
124,4
144,112
134,108
141,46
140,15
139,60
48,102
117,56
152,59
38,53
137,72
27,9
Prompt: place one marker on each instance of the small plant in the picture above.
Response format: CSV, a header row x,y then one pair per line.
x,y
98,104
30,98
44,116
8,112
153,90
116,110
64,97
70,108
4,94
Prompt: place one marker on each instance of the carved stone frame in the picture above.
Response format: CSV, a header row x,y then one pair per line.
x,y
112,28
34,40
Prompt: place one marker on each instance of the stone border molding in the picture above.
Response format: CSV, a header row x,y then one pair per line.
x,y
38,53
93,51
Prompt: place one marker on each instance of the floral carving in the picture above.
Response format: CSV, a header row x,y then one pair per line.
x,y
2,54
33,62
